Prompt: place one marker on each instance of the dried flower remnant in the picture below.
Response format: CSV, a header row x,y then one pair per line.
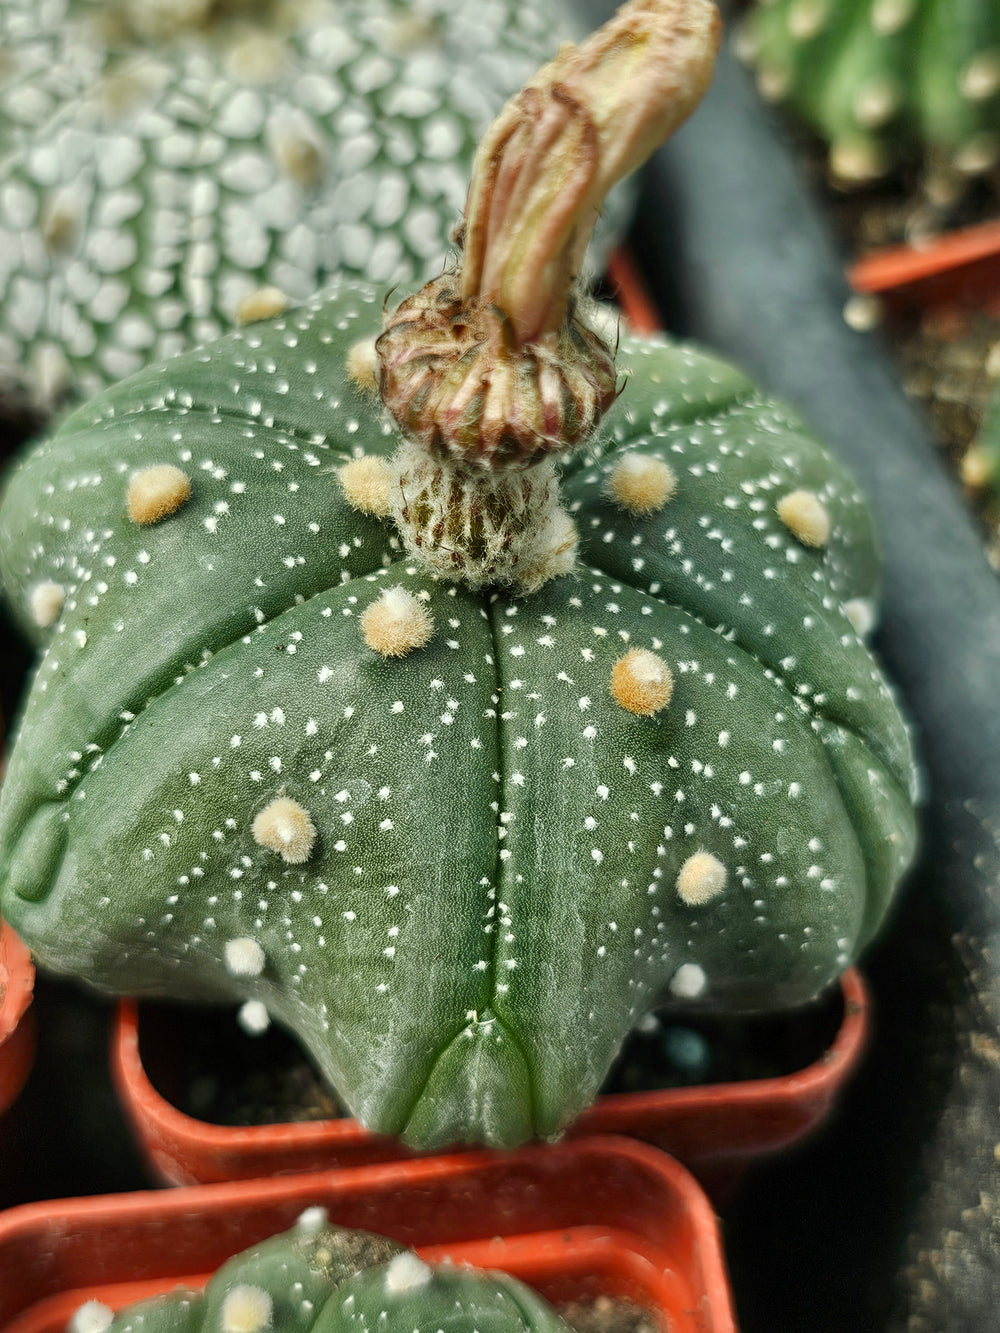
x,y
286,827
156,492
491,371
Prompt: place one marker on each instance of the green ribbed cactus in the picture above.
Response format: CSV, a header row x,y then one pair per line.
x,y
456,756
169,168
885,80
318,1278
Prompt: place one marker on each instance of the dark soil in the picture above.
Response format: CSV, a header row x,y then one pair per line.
x,y
202,1062
607,1315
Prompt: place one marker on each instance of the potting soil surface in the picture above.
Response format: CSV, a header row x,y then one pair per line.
x,y
201,1061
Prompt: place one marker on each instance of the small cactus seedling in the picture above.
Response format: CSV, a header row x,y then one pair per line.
x,y
331,1280
884,80
169,168
457,753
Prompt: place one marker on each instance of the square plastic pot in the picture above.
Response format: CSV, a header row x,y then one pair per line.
x,y
960,268
714,1129
17,1025
575,1221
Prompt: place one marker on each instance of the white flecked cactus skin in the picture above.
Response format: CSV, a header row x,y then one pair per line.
x,y
885,80
506,865
322,1277
151,183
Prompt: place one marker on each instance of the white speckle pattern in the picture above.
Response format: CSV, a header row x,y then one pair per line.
x,y
486,790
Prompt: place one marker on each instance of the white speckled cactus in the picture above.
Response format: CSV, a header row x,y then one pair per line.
x,y
883,80
322,1277
454,802
167,169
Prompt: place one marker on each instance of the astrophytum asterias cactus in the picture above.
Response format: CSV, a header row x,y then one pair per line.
x,y
457,834
169,168
331,1280
884,80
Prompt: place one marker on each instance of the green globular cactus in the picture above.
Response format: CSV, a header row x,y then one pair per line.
x,y
167,169
458,830
885,80
319,1278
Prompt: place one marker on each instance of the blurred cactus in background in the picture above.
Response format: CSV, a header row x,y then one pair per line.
x,y
885,81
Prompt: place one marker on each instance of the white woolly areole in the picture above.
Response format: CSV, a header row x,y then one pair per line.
x,y
701,878
366,484
642,682
860,611
688,982
396,623
91,1317
156,492
46,603
253,1018
312,1219
805,516
405,1272
286,828
244,957
246,1309
264,303
362,360
641,484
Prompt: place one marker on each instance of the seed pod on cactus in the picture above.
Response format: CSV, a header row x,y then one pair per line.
x,y
169,169
331,1280
478,801
885,80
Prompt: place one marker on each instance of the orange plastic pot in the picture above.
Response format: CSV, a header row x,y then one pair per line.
x,y
17,1025
714,1129
959,269
575,1221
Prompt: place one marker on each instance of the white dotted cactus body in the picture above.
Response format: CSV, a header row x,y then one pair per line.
x,y
883,80
331,1280
155,188
496,888
453,764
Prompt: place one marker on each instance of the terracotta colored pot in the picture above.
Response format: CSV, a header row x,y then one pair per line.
x,y
713,1129
961,268
17,1021
574,1220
